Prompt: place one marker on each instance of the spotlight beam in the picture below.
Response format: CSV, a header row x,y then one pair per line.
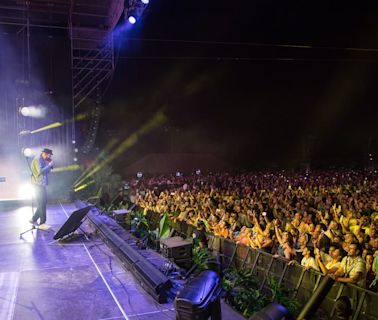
x,y
102,154
50,126
53,125
152,124
72,167
84,186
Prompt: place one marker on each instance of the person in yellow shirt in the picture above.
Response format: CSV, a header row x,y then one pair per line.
x,y
221,229
331,266
308,261
359,226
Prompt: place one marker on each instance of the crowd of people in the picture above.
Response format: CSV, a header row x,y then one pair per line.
x,y
324,220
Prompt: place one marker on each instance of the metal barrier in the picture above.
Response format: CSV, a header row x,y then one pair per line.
x,y
264,265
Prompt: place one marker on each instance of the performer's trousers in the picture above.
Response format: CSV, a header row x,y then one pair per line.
x,y
41,199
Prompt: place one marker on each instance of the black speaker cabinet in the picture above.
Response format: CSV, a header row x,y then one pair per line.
x,y
176,248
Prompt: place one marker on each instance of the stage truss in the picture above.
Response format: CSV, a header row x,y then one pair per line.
x,y
89,25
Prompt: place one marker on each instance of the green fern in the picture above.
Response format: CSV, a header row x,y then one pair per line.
x,y
242,291
283,295
203,260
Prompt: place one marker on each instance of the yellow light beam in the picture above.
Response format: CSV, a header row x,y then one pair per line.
x,y
72,167
79,117
50,126
153,123
102,154
84,186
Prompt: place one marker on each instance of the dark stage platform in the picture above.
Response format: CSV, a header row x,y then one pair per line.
x,y
77,279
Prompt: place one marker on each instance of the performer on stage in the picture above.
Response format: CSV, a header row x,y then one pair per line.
x,y
40,167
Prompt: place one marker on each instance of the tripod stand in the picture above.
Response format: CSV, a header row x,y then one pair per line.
x,y
31,229
34,227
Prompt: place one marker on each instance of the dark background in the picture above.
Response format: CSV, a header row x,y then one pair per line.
x,y
229,88
257,83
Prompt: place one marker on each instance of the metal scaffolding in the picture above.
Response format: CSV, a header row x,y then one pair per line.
x,y
89,24
92,58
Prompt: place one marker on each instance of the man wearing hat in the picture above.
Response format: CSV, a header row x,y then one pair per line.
x,y
40,167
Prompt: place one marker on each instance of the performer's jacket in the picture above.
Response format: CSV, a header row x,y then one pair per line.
x,y
40,168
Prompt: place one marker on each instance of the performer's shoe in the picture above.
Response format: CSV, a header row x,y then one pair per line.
x,y
44,226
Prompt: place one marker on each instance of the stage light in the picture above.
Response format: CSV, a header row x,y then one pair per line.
x,y
145,1
25,132
73,141
132,19
33,111
27,152
75,159
25,111
76,150
26,191
178,174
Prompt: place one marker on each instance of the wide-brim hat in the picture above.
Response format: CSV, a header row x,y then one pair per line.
x,y
48,151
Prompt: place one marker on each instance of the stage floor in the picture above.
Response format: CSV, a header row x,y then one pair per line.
x,y
78,279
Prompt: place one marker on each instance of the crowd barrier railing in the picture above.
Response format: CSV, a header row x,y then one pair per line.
x,y
304,282
265,265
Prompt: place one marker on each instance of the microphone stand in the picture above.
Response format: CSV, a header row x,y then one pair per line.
x,y
32,206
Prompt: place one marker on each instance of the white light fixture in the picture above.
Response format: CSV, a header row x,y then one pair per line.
x,y
132,19
27,152
25,111
38,111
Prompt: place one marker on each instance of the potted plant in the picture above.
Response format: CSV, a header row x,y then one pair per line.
x,y
242,291
162,232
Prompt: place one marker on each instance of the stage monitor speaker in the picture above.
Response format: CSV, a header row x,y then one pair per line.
x,y
200,298
73,222
273,311
152,280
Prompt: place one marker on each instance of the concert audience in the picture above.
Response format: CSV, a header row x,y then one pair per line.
x,y
289,214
